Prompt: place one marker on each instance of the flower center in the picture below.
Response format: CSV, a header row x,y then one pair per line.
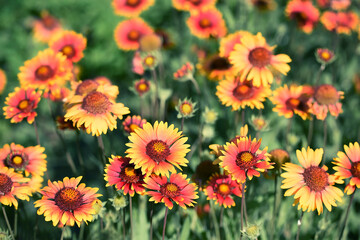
x,y
195,2
49,22
326,94
220,63
25,105
245,160
243,91
205,23
142,87
260,57
355,169
132,3
17,160
133,35
224,189
170,190
44,72
149,61
186,109
96,103
68,199
130,174
157,150
86,87
300,17
5,184
68,51
292,103
316,178
133,126
325,55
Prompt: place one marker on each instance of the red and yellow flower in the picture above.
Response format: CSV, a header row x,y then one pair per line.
x,y
304,13
216,67
254,59
228,42
131,123
46,27
131,8
310,184
22,104
66,202
341,22
2,81
193,5
56,93
157,149
142,86
175,189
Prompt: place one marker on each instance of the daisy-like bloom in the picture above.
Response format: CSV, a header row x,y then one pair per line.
x,y
131,123
131,8
304,13
236,94
290,101
96,110
56,93
221,188
254,58
348,166
264,5
150,59
66,202
121,173
193,5
11,186
22,104
175,189
324,56
203,172
142,86
207,23
310,184
129,32
279,157
210,115
69,43
46,27
47,68
339,5
216,67
326,99
157,149
186,108
341,22
150,42
185,72
228,43
259,123
2,81
243,158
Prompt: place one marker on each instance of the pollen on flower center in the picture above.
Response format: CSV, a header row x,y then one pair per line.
x,y
242,92
25,105
316,178
292,103
86,87
142,87
68,51
16,160
245,159
133,35
68,199
5,184
326,94
130,174
205,23
260,57
132,3
220,63
355,169
186,109
149,61
96,103
224,189
170,190
44,72
157,150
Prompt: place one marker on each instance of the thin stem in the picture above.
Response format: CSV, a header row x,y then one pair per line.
x,y
156,107
142,106
7,222
214,220
102,149
166,212
123,223
243,117
62,233
242,209
288,129
275,209
318,75
182,123
82,230
36,133
78,150
311,131
299,225
346,215
325,139
131,217
196,85
151,221
221,216
15,222
236,120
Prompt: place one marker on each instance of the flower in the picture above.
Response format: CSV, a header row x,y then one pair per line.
x,y
228,43
289,101
22,104
142,86
47,68
326,99
216,67
185,72
121,173
193,5
207,23
186,108
96,110
176,189
348,166
157,149
65,202
243,158
150,42
2,81
324,55
339,5
221,188
150,59
56,93
69,43
264,5
236,94
210,115
131,8
137,66
46,27
132,123
341,22
304,13
204,170
310,184
279,157
253,58
129,32
259,123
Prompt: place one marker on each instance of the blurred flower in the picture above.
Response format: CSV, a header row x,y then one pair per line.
x,y
279,157
326,99
202,210
121,173
339,5
64,125
348,166
221,188
193,5
119,201
304,13
66,203
290,101
70,44
56,93
131,8
150,60
96,111
129,32
228,42
207,23
341,22
99,208
166,39
252,231
150,42
131,123
254,58
208,132
176,189
185,72
2,81
46,69
137,66
157,149
210,115
203,172
264,5
142,86
356,80
186,108
324,56
236,94
244,159
216,67
259,123
22,104
46,27
310,184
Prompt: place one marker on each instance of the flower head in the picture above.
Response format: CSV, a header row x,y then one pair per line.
x,y
310,184
137,66
203,172
131,123
259,123
150,42
131,8
186,108
324,56
216,67
175,189
2,81
341,22
185,72
193,5
66,202
56,93
142,86
304,13
228,42
22,104
279,157
264,5
209,115
46,27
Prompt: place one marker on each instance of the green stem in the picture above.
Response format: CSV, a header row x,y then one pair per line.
x,y
62,233
182,124
151,221
7,223
242,209
214,220
156,102
36,133
299,225
131,217
102,149
346,215
166,213
325,140
311,131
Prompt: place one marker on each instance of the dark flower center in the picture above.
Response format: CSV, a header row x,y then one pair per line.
x,y
243,91
68,51
44,72
326,94
355,169
17,160
316,178
86,87
157,150
224,189
133,35
132,3
25,106
245,160
68,199
220,63
5,184
170,190
205,23
260,57
96,103
130,174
